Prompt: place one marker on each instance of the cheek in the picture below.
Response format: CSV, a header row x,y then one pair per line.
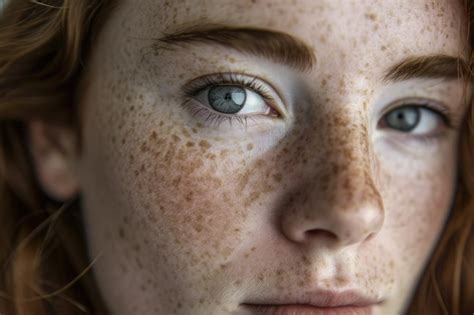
x,y
417,198
184,193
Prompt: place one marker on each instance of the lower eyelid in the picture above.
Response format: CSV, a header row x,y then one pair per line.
x,y
207,116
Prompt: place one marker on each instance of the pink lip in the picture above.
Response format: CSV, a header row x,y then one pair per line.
x,y
305,309
320,302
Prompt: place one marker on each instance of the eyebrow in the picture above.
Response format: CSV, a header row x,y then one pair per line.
x,y
273,45
430,66
288,50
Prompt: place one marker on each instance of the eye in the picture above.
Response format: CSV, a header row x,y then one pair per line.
x,y
413,119
233,99
230,97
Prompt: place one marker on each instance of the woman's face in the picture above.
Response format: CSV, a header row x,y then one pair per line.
x,y
269,152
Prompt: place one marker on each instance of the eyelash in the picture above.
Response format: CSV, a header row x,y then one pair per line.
x,y
191,89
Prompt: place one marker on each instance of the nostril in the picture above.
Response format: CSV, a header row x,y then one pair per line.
x,y
370,236
320,233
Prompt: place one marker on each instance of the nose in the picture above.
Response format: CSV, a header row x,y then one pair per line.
x,y
339,205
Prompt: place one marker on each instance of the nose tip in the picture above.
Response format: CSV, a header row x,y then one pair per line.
x,y
339,225
356,227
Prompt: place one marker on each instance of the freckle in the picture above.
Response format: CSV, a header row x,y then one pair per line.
x,y
136,247
121,232
175,138
186,133
371,16
190,144
223,153
249,146
277,177
211,156
194,130
383,48
342,85
176,181
139,263
154,135
204,144
161,123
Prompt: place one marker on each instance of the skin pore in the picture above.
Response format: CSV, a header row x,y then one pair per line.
x,y
190,215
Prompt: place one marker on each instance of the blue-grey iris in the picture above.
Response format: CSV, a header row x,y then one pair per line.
x,y
404,119
228,99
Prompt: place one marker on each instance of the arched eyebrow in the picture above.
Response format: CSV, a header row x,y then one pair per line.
x,y
273,45
430,67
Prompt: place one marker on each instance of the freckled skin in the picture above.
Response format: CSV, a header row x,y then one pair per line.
x,y
203,218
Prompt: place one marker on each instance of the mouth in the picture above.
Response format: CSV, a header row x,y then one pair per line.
x,y
316,303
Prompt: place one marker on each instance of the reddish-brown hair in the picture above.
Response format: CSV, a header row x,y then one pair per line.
x,y
44,48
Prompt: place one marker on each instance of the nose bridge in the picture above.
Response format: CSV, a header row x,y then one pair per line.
x,y
349,160
340,196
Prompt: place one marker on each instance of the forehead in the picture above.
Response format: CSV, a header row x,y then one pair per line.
x,y
387,27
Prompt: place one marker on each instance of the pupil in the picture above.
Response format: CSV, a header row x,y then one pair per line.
x,y
228,99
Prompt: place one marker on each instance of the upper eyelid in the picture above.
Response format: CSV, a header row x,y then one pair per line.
x,y
231,75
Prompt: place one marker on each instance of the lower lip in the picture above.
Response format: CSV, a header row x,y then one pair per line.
x,y
308,310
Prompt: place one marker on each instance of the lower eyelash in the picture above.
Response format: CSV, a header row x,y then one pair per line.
x,y
214,119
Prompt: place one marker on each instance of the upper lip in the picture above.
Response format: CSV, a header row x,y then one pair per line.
x,y
320,298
